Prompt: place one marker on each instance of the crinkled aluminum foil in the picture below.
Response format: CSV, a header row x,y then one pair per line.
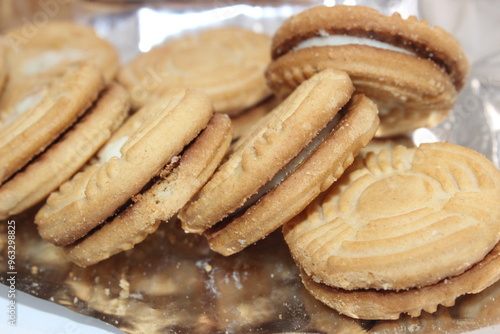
x,y
172,282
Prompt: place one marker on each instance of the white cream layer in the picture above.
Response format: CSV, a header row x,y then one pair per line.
x,y
112,149
338,40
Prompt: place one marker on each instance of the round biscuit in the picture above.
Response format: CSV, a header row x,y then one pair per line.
x,y
288,129
407,217
299,188
64,158
57,44
33,119
132,157
377,305
227,63
414,35
411,90
161,201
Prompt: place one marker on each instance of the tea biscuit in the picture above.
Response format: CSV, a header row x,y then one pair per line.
x,y
161,201
227,63
406,219
245,121
412,71
64,158
56,44
34,117
380,304
135,154
280,166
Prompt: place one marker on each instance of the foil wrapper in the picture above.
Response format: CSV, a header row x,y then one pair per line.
x,y
172,282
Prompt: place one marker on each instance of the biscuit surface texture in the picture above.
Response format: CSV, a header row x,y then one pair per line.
x,y
3,65
58,44
133,156
162,200
287,130
33,119
227,63
59,162
300,187
414,87
407,218
375,305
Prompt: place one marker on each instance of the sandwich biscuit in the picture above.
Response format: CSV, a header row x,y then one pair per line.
x,y
33,117
138,178
274,171
67,154
407,230
412,71
227,63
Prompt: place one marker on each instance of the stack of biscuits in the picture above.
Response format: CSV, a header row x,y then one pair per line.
x,y
238,134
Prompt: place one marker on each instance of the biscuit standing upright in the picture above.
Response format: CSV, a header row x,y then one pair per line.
x,y
147,171
278,167
411,70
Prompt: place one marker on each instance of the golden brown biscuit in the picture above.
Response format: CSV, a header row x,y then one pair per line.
x,y
406,219
3,65
32,118
227,63
184,176
67,155
411,70
57,44
245,121
135,154
269,177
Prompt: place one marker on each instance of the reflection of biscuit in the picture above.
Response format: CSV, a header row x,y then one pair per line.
x,y
64,158
227,63
280,166
58,44
411,70
407,219
161,201
33,120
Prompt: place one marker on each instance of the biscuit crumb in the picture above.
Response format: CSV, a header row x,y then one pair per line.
x,y
125,292
34,270
208,268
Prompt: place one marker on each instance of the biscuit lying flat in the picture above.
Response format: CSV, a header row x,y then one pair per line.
x,y
227,63
138,178
67,155
274,171
411,220
411,71
57,44
32,118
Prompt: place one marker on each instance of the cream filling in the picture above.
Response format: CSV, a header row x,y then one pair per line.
x,y
290,167
113,149
338,40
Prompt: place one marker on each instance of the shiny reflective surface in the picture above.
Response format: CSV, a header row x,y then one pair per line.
x,y
172,282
